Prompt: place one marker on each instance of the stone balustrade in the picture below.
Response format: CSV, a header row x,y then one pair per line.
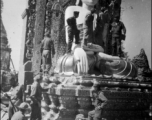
x,y
127,98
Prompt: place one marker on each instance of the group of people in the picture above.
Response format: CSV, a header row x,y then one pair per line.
x,y
18,108
96,27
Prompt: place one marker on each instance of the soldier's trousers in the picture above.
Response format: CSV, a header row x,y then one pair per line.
x,y
46,60
35,112
116,46
72,33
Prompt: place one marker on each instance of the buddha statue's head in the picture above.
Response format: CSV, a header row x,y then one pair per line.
x,y
90,2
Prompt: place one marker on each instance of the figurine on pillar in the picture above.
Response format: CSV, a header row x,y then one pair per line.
x,y
118,32
73,32
29,46
46,52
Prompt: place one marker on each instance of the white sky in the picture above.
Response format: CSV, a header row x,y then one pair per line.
x,y
12,20
13,23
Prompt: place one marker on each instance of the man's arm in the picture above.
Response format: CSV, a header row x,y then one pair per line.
x,y
19,94
124,28
94,48
33,94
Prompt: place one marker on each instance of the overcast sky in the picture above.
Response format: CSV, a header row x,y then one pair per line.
x,y
137,18
12,20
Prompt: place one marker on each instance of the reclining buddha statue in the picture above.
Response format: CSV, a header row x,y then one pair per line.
x,y
85,56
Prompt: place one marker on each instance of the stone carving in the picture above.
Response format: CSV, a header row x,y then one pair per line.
x,y
141,61
85,63
121,102
39,29
31,13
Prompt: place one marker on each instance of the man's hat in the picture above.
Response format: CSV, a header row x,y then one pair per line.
x,y
24,106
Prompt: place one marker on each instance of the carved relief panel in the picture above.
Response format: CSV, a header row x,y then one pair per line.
x,y
31,16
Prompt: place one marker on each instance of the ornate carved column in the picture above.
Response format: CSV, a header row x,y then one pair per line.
x,y
39,30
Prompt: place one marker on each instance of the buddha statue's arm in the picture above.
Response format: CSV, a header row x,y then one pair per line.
x,y
103,56
93,48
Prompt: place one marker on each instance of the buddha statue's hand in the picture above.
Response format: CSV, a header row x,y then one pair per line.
x,y
81,61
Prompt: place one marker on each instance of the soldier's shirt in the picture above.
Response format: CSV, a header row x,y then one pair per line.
x,y
46,43
117,29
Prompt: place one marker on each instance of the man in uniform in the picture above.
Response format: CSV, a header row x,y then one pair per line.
x,y
16,97
117,30
73,32
36,96
46,52
99,101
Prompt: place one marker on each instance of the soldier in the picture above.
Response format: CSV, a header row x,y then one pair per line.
x,y
117,27
20,115
36,96
88,35
103,23
16,97
99,101
46,52
73,32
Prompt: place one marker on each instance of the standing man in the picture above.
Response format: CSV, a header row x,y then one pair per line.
x,y
88,33
20,115
16,97
46,52
118,32
73,32
36,96
103,27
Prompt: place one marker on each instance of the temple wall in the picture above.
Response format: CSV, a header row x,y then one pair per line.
x,y
136,15
22,53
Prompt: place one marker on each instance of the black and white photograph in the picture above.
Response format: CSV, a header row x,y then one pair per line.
x,y
75,60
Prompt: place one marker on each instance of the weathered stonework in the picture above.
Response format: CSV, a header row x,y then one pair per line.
x,y
124,102
31,14
128,98
39,30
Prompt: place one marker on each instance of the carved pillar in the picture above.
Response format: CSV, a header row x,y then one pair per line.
x,y
39,29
